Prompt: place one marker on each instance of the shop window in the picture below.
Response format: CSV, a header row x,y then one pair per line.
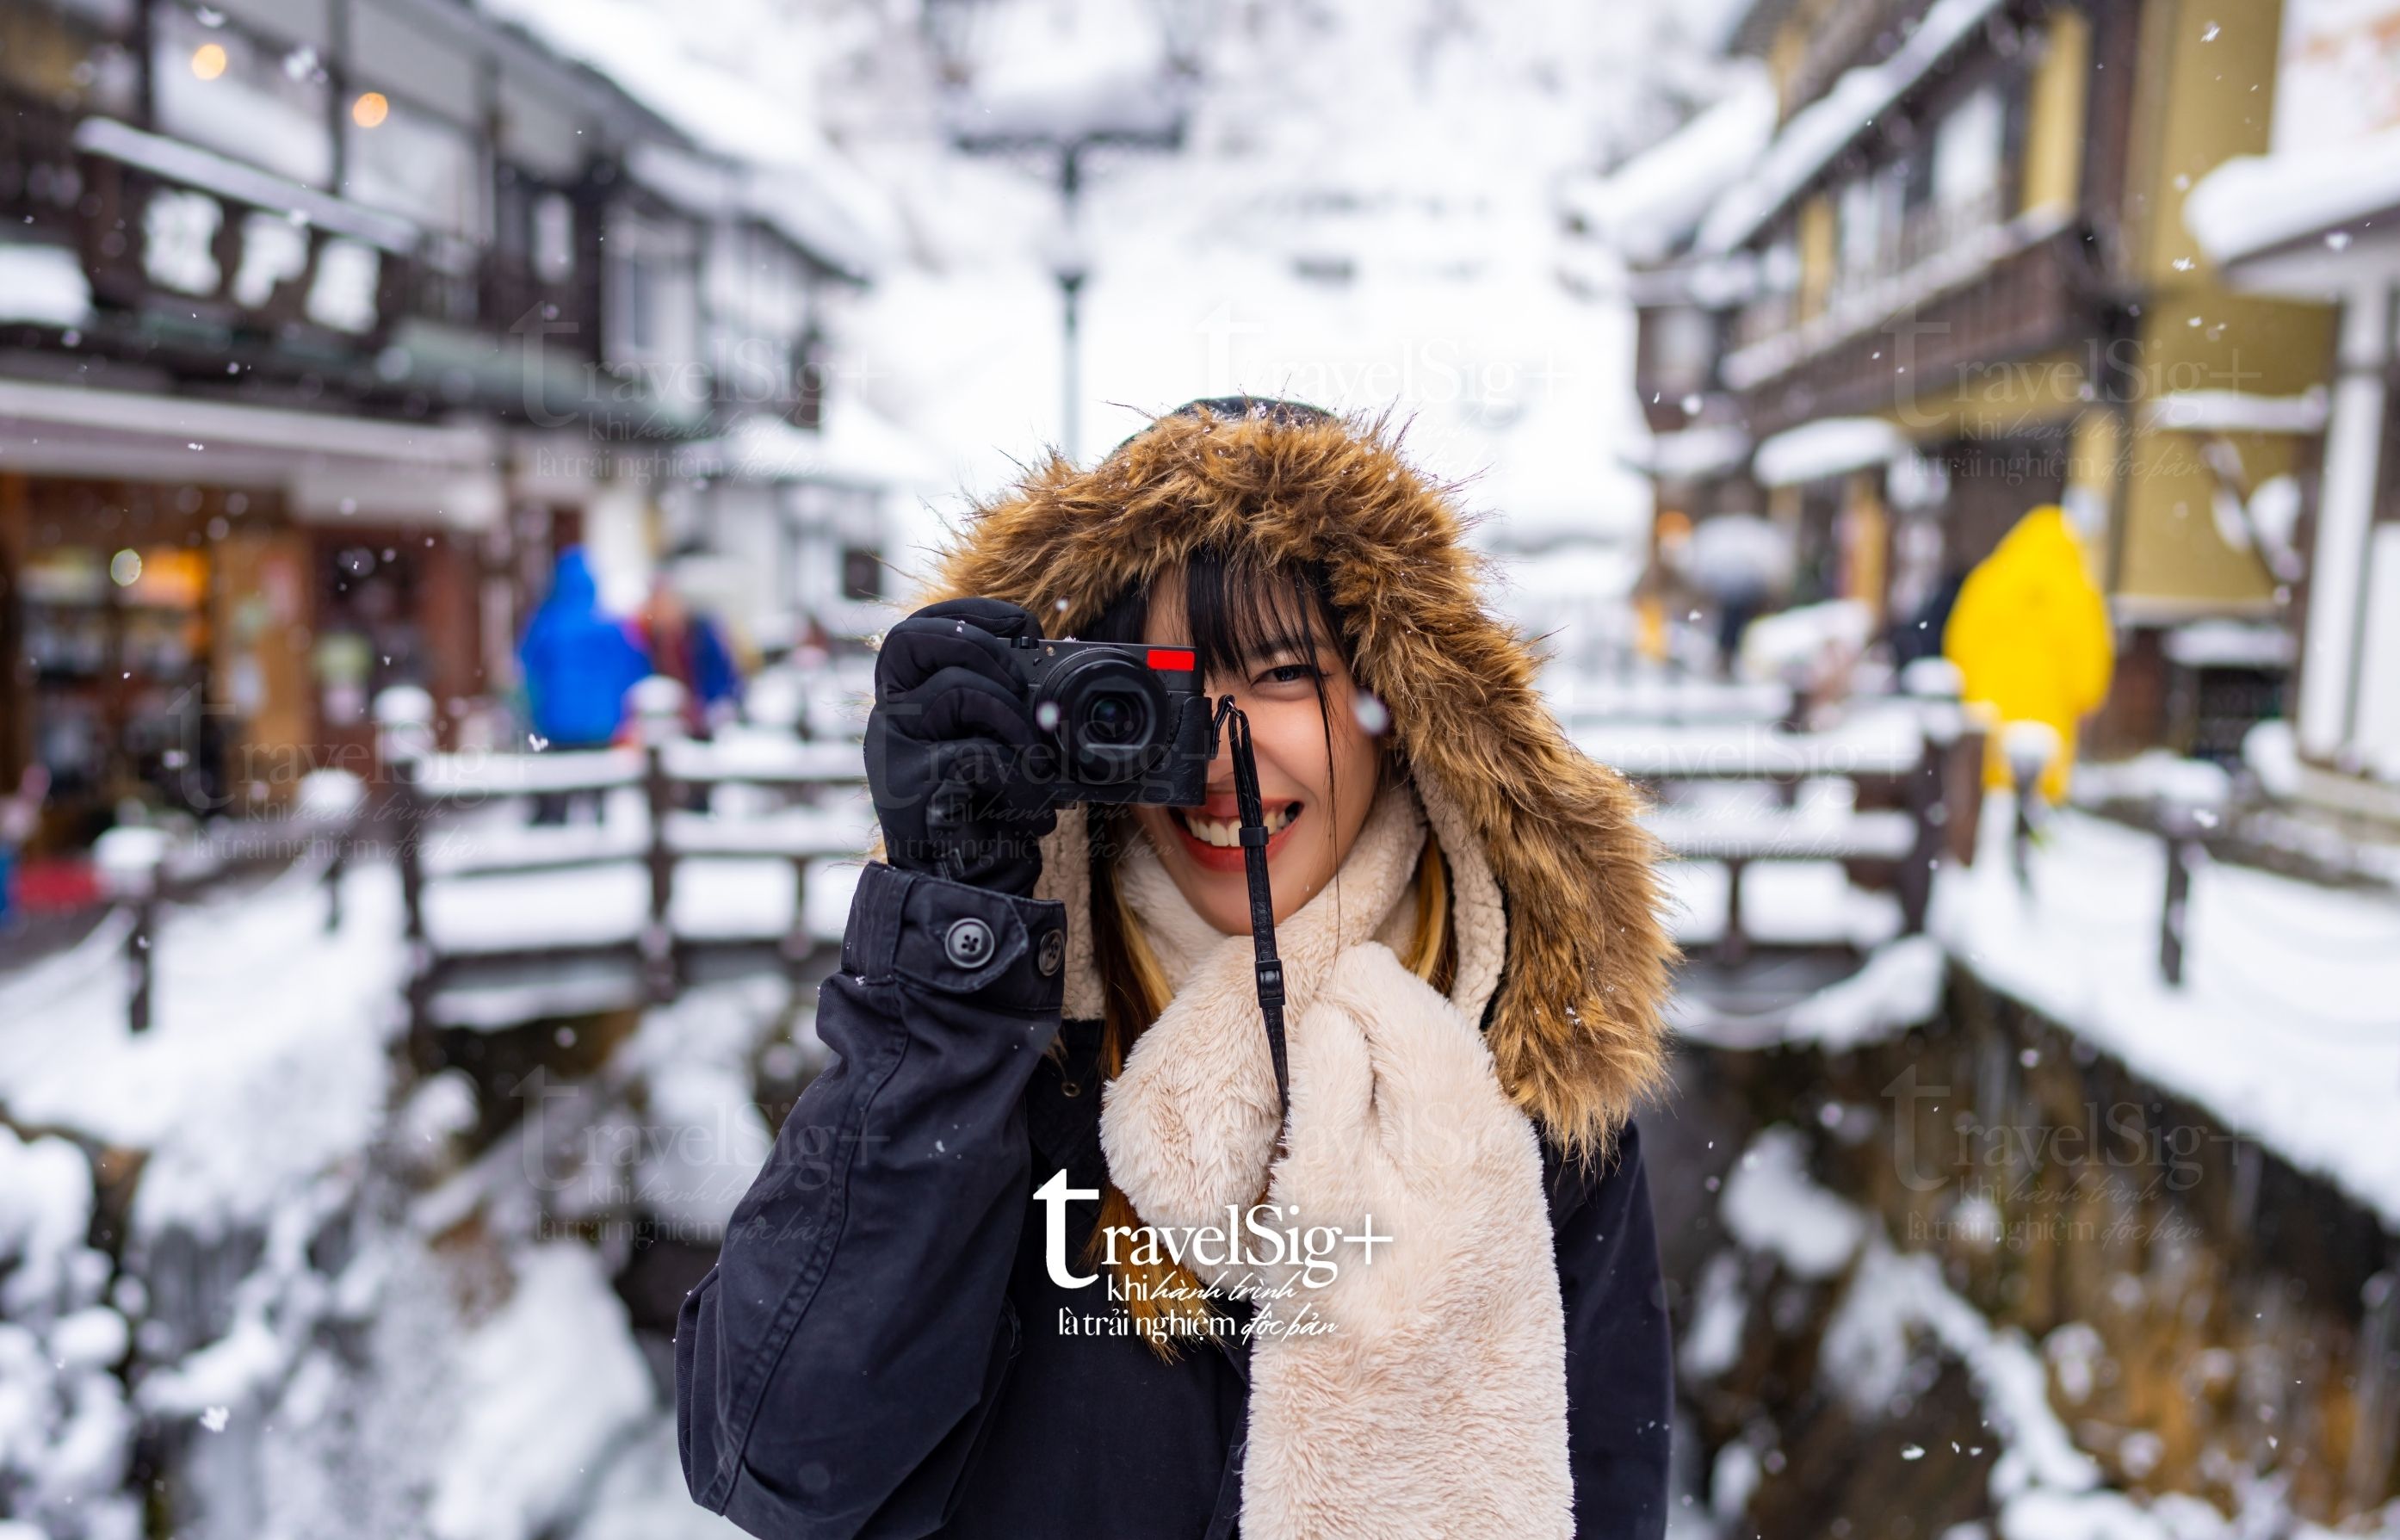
x,y
117,644
651,299
1681,343
811,373
1969,149
242,94
862,573
403,158
554,237
72,57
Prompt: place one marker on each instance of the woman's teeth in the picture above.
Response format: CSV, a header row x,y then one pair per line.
x,y
1226,833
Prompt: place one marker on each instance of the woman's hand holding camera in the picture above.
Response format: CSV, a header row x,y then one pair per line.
x,y
949,748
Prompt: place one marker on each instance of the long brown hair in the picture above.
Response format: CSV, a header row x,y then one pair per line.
x,y
1234,612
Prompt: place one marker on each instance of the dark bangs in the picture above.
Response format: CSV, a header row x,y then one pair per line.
x,y
1235,612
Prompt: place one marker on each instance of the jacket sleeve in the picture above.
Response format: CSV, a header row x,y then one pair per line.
x,y
1620,1387
835,1368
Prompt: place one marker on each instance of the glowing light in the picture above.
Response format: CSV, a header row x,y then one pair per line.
x,y
370,109
208,61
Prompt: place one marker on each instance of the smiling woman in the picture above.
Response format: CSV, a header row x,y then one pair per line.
x,y
1271,639
1062,1057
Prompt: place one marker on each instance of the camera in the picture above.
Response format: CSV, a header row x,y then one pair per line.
x,y
1121,721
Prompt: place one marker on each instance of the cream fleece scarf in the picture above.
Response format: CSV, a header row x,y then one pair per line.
x,y
1421,1392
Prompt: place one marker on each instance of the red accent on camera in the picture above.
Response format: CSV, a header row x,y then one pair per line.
x,y
1173,658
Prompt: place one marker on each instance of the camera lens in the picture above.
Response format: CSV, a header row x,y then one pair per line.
x,y
1116,718
1111,716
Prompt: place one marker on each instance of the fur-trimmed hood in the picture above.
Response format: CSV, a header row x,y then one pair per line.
x,y
1576,1028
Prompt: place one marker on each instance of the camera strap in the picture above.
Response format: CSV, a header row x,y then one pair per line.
x,y
1254,865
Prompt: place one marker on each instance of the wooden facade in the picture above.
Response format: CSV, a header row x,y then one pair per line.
x,y
272,257
1993,261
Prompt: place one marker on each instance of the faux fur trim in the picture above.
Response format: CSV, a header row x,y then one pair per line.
x,y
1577,1033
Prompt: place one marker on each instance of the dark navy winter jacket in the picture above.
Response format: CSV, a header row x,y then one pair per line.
x,y
877,1350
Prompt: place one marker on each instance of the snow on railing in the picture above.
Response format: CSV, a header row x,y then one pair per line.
x,y
1911,767
653,881
141,866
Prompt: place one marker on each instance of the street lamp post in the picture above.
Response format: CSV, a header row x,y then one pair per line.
x,y
1147,115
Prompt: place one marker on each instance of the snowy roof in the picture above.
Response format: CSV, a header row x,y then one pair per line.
x,y
2255,203
800,181
1707,450
1829,125
175,161
1651,204
2239,412
1829,446
858,446
2222,643
712,188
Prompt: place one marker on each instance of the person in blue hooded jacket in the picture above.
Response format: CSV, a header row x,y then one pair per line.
x,y
577,665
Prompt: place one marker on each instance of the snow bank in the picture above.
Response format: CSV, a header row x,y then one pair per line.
x,y
2285,1030
1891,1308
66,1437
1899,987
251,1080
1868,1345
702,1138
641,1495
1770,1205
554,1385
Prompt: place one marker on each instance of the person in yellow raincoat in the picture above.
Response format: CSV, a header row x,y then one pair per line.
x,y
2030,635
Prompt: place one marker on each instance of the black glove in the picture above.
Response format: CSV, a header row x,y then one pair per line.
x,y
953,757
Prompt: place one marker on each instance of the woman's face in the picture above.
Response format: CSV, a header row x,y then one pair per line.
x,y
1308,833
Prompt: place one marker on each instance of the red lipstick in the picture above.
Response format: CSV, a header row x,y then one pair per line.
x,y
1224,858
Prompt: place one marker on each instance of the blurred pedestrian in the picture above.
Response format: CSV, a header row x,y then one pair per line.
x,y
20,812
2031,636
578,664
689,646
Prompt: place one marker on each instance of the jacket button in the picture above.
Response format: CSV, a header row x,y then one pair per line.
x,y
1053,953
968,942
